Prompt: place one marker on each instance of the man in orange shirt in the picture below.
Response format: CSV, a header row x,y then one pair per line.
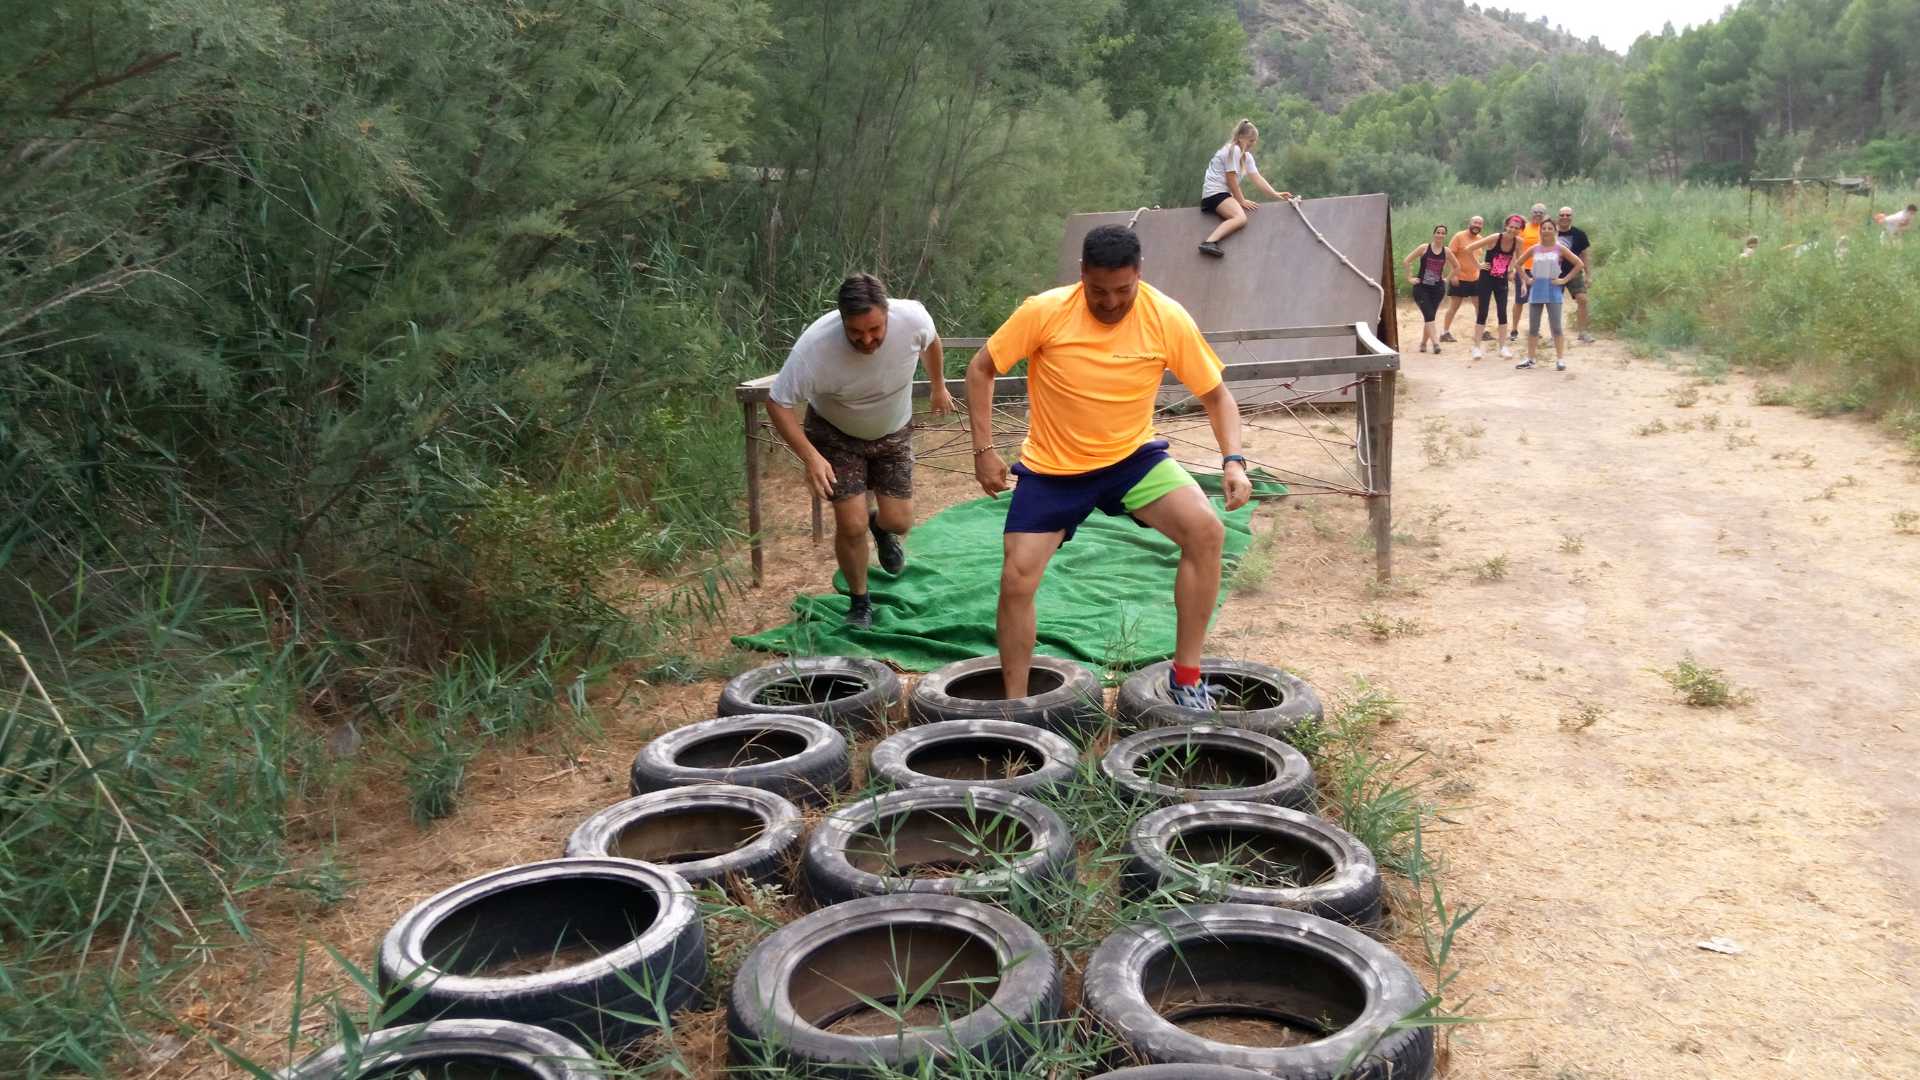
x,y
1095,355
1466,280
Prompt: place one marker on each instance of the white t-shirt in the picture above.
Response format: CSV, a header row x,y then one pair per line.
x,y
864,396
1895,224
1228,158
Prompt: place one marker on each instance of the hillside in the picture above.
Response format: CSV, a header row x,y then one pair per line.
x,y
1336,50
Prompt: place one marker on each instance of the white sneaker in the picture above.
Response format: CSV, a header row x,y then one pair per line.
x,y
1479,353
1506,353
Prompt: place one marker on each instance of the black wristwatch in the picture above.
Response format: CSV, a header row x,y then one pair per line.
x,y
1230,458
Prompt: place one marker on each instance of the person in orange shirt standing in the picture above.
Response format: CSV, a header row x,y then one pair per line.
x,y
1466,280
1095,355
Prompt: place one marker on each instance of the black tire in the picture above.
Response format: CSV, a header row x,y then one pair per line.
x,y
1279,701
1342,880
794,1004
851,691
1194,764
1068,696
975,753
518,1050
1181,1073
799,757
640,919
883,845
707,833
1315,978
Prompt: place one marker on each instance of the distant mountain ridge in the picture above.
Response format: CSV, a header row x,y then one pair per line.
x,y
1336,50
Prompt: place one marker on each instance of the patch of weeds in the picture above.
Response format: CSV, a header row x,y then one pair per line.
x,y
1584,715
1805,459
434,776
1474,431
1820,519
1658,427
1256,564
1710,422
1742,422
1684,425
1572,544
1703,687
1711,369
1735,442
1492,568
1906,522
1383,627
1685,397
1771,394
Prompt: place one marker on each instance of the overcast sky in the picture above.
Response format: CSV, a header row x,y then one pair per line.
x,y
1617,22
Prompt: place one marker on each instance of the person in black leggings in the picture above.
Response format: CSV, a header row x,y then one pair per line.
x,y
1503,258
1429,281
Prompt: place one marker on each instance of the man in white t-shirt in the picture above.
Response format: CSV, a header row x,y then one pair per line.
x,y
853,369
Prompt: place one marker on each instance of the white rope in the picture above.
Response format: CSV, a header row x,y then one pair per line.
x,y
1299,208
1136,214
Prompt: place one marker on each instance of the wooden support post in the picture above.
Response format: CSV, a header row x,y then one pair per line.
x,y
1378,390
750,416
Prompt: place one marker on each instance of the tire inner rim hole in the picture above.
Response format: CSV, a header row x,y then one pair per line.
x,y
979,758
947,842
1204,767
739,749
541,926
689,835
1251,857
454,1066
991,685
1251,991
810,690
923,976
1246,693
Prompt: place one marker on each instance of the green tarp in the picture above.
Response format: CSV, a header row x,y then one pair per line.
x,y
1107,598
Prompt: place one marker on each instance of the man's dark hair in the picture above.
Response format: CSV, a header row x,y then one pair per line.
x,y
1110,247
861,293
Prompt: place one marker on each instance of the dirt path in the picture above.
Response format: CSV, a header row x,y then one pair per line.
x,y
1762,542
1604,828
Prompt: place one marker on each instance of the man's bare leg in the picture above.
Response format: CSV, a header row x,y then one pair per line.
x,y
1185,515
850,541
1016,622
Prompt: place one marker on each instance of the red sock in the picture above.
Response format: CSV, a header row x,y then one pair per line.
x,y
1185,676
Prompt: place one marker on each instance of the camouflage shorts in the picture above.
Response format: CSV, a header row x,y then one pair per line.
x,y
883,465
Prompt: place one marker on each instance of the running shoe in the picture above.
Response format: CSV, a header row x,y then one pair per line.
x,y
1423,346
1208,247
1506,353
860,614
892,557
1586,339
1198,696
1479,353
1559,365
1523,365
1446,335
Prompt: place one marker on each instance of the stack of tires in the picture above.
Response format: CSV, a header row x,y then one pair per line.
x,y
913,952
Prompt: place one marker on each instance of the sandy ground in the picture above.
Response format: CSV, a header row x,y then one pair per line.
x,y
1603,827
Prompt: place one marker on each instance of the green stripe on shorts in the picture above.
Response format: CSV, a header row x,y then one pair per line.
x,y
1162,478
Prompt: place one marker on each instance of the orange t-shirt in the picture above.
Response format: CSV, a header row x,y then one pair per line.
x,y
1468,266
1092,386
1529,236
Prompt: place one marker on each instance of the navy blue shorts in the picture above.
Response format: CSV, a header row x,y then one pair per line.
x,y
1044,502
